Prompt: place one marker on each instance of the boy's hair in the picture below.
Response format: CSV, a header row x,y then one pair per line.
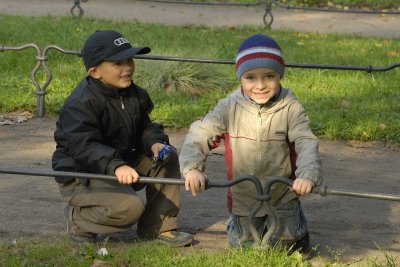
x,y
259,51
108,45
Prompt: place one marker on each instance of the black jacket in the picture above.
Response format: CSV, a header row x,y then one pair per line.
x,y
100,128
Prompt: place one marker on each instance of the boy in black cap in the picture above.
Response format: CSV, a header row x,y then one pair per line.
x,y
104,127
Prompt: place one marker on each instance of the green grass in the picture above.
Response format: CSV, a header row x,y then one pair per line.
x,y
35,253
39,252
341,104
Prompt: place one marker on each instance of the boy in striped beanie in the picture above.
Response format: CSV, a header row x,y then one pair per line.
x,y
259,51
260,55
266,133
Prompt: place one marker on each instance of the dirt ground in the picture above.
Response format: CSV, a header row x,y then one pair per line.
x,y
348,228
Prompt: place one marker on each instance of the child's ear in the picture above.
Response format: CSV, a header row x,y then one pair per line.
x,y
94,73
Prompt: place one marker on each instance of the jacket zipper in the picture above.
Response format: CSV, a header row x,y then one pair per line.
x,y
259,119
259,123
122,102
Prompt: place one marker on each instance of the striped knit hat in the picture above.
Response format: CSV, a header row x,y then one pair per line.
x,y
259,51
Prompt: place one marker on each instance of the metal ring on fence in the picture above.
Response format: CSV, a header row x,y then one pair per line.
x,y
77,6
268,12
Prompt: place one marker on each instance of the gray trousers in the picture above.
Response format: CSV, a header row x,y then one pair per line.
x,y
291,226
104,206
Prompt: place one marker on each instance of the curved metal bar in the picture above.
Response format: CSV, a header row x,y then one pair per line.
x,y
323,191
77,6
21,47
260,197
76,175
368,68
270,211
268,12
263,194
41,91
276,2
80,175
65,51
39,60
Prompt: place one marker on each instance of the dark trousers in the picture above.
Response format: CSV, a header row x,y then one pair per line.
x,y
291,226
104,206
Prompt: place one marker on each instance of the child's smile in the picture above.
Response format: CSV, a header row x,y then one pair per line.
x,y
260,84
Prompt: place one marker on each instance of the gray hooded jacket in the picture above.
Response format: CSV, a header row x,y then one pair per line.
x,y
257,142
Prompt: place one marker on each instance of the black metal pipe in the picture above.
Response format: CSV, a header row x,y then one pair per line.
x,y
152,180
143,179
368,68
323,190
262,194
80,175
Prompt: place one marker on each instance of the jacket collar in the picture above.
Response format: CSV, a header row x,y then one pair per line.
x,y
108,90
282,99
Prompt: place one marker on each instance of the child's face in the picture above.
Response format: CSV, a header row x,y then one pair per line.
x,y
260,84
118,74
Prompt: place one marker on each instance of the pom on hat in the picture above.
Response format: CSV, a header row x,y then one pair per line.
x,y
259,51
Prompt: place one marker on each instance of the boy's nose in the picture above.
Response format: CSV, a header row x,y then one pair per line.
x,y
260,84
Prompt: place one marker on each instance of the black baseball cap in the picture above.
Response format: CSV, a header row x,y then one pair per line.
x,y
108,45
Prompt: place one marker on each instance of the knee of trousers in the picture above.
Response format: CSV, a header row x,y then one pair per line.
x,y
291,222
126,212
172,160
169,167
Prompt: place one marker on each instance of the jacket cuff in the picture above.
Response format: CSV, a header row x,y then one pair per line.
x,y
314,176
113,164
186,169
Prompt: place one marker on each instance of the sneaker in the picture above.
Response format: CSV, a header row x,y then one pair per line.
x,y
302,245
73,238
175,238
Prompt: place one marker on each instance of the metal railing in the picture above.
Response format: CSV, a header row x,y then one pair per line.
x,y
268,17
42,57
262,193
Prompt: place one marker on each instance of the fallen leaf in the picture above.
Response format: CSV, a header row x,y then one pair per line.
x,y
21,119
6,122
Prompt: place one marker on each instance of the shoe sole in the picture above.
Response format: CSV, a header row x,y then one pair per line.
x,y
176,242
75,240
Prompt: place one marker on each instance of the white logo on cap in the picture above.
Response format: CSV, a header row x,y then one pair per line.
x,y
120,41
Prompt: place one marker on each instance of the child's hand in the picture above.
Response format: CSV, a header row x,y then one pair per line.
x,y
195,180
126,174
156,148
302,186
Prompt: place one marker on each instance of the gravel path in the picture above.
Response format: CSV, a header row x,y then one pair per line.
x,y
215,16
